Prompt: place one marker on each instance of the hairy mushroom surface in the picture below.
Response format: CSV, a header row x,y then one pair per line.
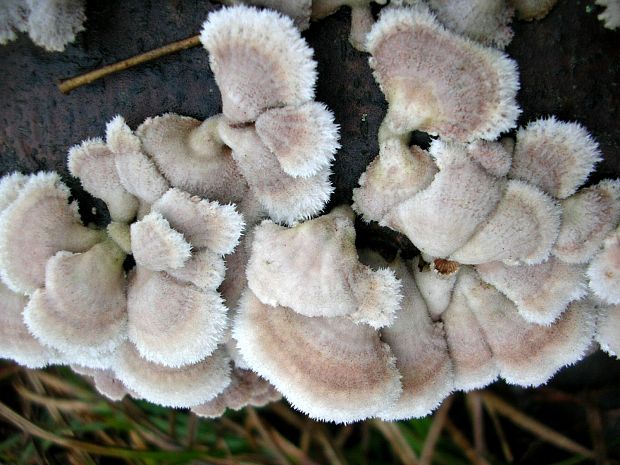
x,y
604,270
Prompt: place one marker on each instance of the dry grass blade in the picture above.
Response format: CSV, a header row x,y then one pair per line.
x,y
595,423
68,405
399,444
474,405
266,437
329,449
499,430
439,420
533,426
298,454
460,440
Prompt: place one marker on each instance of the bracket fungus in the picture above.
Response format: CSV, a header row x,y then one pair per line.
x,y
611,14
604,270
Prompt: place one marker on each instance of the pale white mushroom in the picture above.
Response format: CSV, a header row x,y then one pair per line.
x,y
94,163
36,225
329,368
10,185
16,342
82,311
438,82
554,155
611,14
173,323
604,270
588,217
13,19
330,281
52,24
105,381
256,70
435,287
532,9
285,198
608,329
298,10
527,353
204,269
396,174
540,292
181,387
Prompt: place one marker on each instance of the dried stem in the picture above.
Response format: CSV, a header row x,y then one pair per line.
x,y
399,444
439,419
460,440
499,430
67,85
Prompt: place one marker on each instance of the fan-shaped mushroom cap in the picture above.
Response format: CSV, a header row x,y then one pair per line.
x,y
438,82
259,60
420,349
10,185
36,225
93,163
13,18
532,9
52,24
472,358
329,368
297,10
245,388
204,269
170,322
540,292
202,223
82,310
523,227
137,173
396,174
286,199
304,139
604,270
555,156
105,381
588,217
435,287
16,342
494,157
485,21
608,329
441,218
191,156
611,15
527,353
156,245
173,387
328,282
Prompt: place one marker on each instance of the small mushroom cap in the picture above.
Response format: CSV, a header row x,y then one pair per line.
x,y
204,269
173,323
93,162
608,329
137,173
611,15
245,388
10,185
472,358
441,218
182,387
485,21
259,60
297,10
434,287
523,227
156,246
528,354
329,368
82,311
304,139
105,382
532,9
52,24
540,292
36,225
191,157
439,82
555,156
604,270
493,156
13,18
420,349
16,342
328,282
202,223
588,217
285,198
398,173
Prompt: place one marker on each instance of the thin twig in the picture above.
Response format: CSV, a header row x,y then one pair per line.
x,y
67,85
460,440
399,444
434,432
500,434
329,448
595,422
474,404
266,437
535,427
292,450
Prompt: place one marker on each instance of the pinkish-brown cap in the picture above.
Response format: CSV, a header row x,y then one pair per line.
x,y
105,381
35,226
438,82
298,10
604,270
555,156
181,387
608,329
435,287
329,368
259,60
